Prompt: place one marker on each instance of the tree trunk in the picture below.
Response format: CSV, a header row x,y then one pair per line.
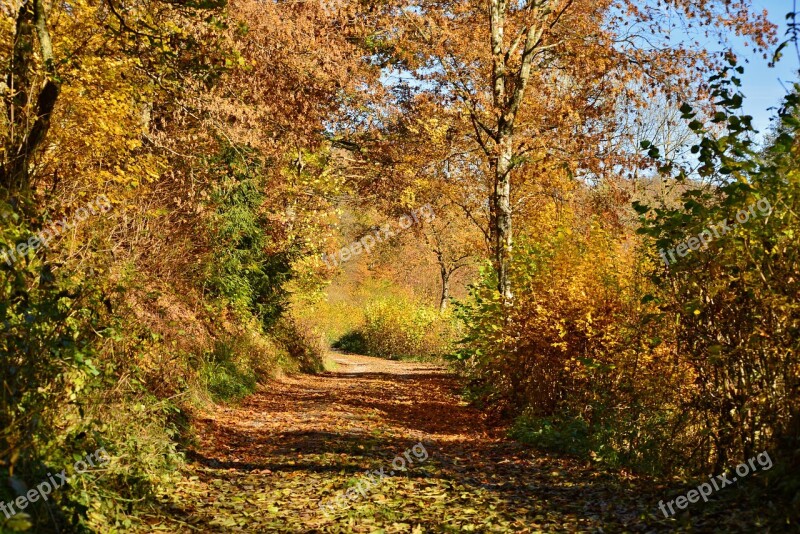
x,y
501,165
511,71
28,123
502,220
445,296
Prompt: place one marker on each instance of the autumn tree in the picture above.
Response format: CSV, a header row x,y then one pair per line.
x,y
452,245
540,81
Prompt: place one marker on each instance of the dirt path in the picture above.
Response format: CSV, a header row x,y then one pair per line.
x,y
267,464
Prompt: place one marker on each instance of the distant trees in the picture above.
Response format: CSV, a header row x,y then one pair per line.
x,y
451,244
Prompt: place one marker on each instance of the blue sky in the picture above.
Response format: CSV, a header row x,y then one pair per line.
x,y
762,86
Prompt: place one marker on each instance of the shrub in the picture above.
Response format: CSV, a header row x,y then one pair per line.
x,y
225,375
301,341
47,348
573,350
399,327
239,268
621,357
70,386
353,341
571,436
734,303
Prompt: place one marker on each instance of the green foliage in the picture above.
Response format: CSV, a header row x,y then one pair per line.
x,y
140,437
734,303
569,436
482,316
602,438
50,323
61,397
225,378
241,269
353,341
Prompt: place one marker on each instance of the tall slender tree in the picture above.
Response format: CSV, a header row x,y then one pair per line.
x,y
541,80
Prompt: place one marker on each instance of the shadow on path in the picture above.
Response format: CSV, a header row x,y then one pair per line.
x,y
267,464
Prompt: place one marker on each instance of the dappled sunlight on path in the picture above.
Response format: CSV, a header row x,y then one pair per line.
x,y
267,464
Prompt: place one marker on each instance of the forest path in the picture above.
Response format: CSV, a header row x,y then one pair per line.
x,y
266,464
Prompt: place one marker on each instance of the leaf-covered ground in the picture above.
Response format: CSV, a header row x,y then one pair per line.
x,y
267,464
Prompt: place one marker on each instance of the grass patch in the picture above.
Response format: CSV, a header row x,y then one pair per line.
x,y
224,376
570,436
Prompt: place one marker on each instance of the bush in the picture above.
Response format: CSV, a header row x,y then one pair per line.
x,y
302,343
398,327
354,342
70,387
571,436
573,351
734,303
616,355
239,269
51,324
